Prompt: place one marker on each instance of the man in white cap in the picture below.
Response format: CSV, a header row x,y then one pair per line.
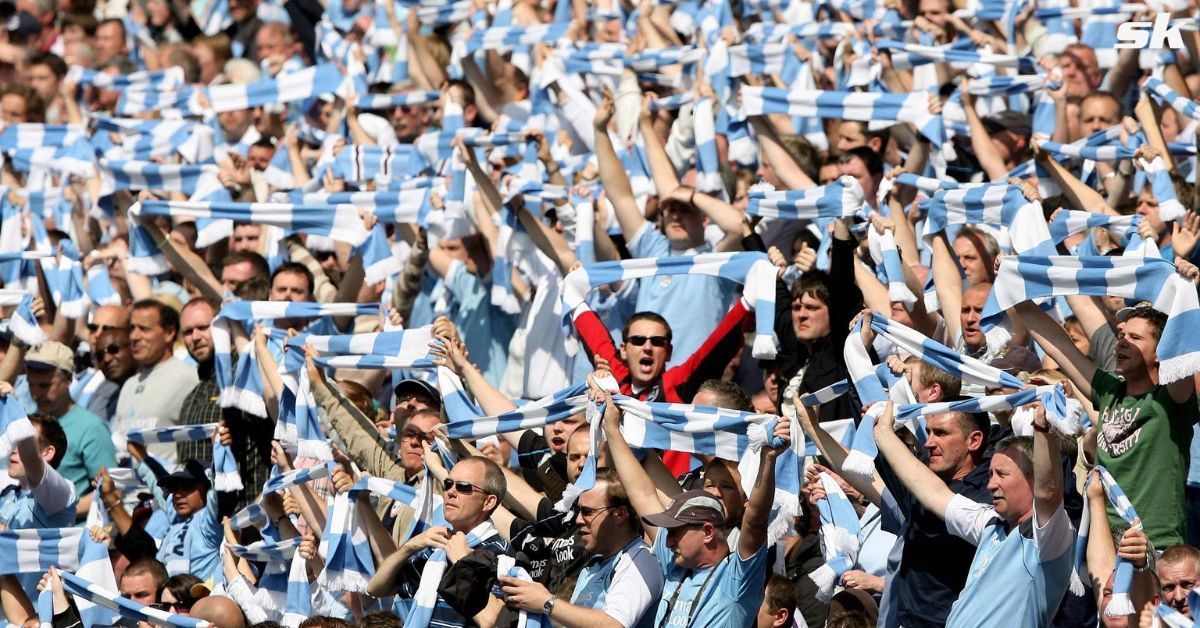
x,y
49,367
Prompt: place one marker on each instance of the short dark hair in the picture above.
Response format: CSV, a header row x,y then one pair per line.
x,y
930,374
324,621
815,283
295,268
50,433
645,316
52,61
155,569
781,593
729,395
261,267
869,157
971,421
1106,95
1157,320
35,108
168,318
180,586
379,619
113,20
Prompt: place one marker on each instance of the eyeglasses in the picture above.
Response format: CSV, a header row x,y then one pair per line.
x,y
640,341
94,327
463,488
413,432
589,513
112,349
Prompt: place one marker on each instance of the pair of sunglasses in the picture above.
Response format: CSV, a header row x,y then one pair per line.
x,y
640,341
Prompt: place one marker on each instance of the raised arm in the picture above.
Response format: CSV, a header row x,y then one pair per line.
x,y
184,261
948,283
1053,339
637,482
835,452
989,158
789,172
929,490
1047,470
613,175
758,507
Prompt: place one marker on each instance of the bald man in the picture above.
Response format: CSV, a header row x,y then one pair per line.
x,y
220,610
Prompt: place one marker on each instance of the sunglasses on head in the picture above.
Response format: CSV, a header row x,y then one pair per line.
x,y
94,327
640,341
463,488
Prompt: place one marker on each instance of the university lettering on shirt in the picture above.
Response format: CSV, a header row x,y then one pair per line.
x,y
1120,430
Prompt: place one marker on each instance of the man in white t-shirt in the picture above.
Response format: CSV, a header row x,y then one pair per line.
x,y
621,583
1023,540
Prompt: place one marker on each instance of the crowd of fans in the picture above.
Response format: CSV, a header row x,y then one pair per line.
x,y
695,313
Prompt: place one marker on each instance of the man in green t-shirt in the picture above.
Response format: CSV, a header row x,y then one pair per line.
x,y
1144,434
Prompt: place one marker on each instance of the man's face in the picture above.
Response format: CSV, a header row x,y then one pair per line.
x,y
1012,495
462,510
195,324
649,356
209,69
290,287
1177,580
597,521
810,317
271,43
409,121
234,275
417,433
44,82
1076,77
683,225
971,261
188,499
857,168
242,10
577,451
925,393
850,135
114,357
687,543
726,486
558,432
935,11
1136,347
245,238
407,404
1147,208
108,42
139,588
972,309
1097,114
259,157
828,174
15,108
234,124
50,390
948,447
107,317
151,342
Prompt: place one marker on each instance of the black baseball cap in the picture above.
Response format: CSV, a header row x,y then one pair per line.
x,y
187,474
1015,121
418,387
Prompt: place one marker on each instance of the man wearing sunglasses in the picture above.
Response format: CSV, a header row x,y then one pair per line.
x,y
619,585
639,366
112,359
472,493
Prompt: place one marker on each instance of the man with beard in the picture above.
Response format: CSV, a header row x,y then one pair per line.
x,y
251,435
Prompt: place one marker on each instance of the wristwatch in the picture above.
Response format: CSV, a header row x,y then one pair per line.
x,y
548,607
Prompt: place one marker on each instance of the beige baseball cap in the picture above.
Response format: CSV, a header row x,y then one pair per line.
x,y
51,355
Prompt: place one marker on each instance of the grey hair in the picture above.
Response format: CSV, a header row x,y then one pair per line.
x,y
1023,446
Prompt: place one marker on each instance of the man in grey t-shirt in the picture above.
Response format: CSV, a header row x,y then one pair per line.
x,y
153,397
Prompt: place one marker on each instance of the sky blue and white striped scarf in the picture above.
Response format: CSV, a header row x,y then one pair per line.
x,y
64,279
368,102
1121,604
127,608
839,537
1164,94
379,264
910,55
840,199
271,593
886,255
225,471
988,204
339,222
1022,278
752,269
503,39
297,86
405,349
243,388
148,175
298,427
862,106
36,550
22,323
347,551
170,78
147,139
708,167
405,202
95,566
358,164
100,290
426,597
298,604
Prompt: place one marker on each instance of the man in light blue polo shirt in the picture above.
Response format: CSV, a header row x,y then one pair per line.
x,y
1023,541
710,580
